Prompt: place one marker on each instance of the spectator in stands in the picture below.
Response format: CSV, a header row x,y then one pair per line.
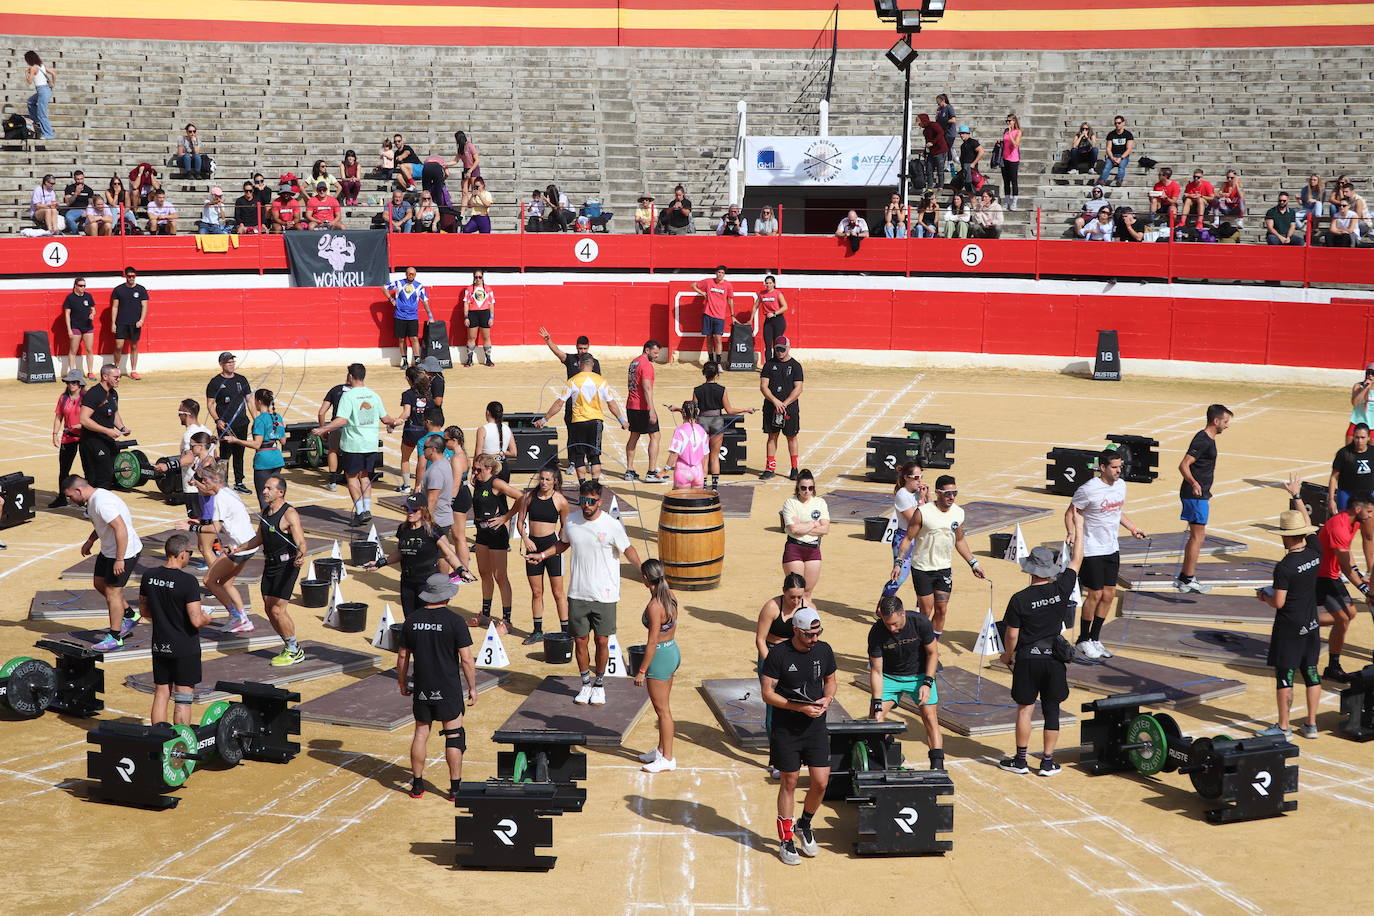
x,y
41,79
1011,162
100,219
322,211
928,216
1096,198
1281,224
732,223
212,214
1357,206
118,197
937,153
477,200
386,162
162,215
190,157
1082,153
853,226
144,181
261,192
559,214
1120,146
644,214
319,172
958,217
468,157
766,224
248,213
1230,200
1198,195
1333,199
945,118
1101,227
434,179
676,218
1164,198
970,154
405,157
535,209
1344,229
286,209
895,218
350,179
1312,198
76,197
426,214
987,216
1127,227
399,213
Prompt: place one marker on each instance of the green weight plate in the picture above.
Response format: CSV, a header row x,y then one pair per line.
x,y
127,471
314,453
10,665
1145,730
858,758
176,769
31,688
233,731
213,712
1207,772
519,771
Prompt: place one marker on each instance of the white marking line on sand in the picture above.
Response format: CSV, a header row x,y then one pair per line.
x,y
202,881
51,553
836,465
639,808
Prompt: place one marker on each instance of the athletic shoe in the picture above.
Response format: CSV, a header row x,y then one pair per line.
x,y
489,362
286,657
631,475
652,477
584,696
356,521
135,376
598,697
1275,731
792,474
649,756
239,624
1336,673
1014,765
532,639
331,487
417,788
661,765
91,376
1086,651
403,489
806,841
767,475
58,503
1308,730
788,853
404,362
1192,585
366,517
774,773
1101,649
1049,768
240,488
108,644
126,626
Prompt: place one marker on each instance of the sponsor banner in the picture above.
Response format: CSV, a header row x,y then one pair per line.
x,y
337,257
821,161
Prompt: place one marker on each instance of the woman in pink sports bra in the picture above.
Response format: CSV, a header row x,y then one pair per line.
x,y
689,449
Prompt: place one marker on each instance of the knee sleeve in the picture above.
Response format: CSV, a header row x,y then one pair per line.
x,y
183,699
455,737
1310,676
1051,715
1283,678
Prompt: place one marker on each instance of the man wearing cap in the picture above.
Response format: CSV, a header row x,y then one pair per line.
x,y
644,215
66,428
406,297
970,154
322,211
719,294
781,384
798,680
1295,643
903,656
360,415
1101,502
1035,619
212,214
286,209
113,527
430,366
230,399
438,642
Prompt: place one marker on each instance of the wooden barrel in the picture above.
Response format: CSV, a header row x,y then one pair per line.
x,y
691,539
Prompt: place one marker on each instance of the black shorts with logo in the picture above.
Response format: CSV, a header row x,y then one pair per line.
x,y
181,670
440,711
791,424
791,750
932,581
1038,677
1100,572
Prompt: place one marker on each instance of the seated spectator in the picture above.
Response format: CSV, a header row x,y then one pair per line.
x,y
212,214
1101,227
191,157
322,210
676,218
987,216
426,214
477,200
535,210
399,213
958,218
1096,198
404,156
852,226
386,162
558,213
732,223
766,224
75,198
292,183
143,181
350,179
1230,201
1312,198
287,211
249,215
262,193
121,200
1198,195
928,216
100,219
1333,198
1357,206
1344,229
1120,146
1164,198
895,218
644,215
319,172
1127,227
162,216
937,153
1082,152
1281,224
43,207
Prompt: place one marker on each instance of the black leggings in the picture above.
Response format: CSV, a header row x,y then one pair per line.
x,y
773,328
234,453
1050,713
1011,184
66,454
260,476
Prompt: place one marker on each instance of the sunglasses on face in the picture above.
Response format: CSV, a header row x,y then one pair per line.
x,y
811,634
913,477
947,493
807,489
589,501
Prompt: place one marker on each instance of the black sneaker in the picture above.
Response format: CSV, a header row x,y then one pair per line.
x,y
792,474
404,362
1049,767
356,521
1014,765
489,362
767,475
1335,673
806,841
631,475
240,488
532,639
365,518
58,503
417,788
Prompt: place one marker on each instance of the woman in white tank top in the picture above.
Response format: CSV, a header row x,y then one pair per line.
x,y
495,439
41,78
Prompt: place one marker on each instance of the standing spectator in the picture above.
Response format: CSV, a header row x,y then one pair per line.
x,y
322,211
121,201
662,658
732,223
479,314
1101,227
1281,224
1011,162
100,219
719,294
426,215
468,157
113,527
41,79
101,425
130,310
640,410
805,520
399,213
359,415
319,174
958,217
928,216
946,120
987,216
937,152
286,209
1082,152
535,211
229,398
1120,146
676,218
212,213
434,179
143,182
477,200
43,207
406,298
1164,197
162,215
1198,196
1230,200
1198,470
970,154
1312,197
76,197
895,218
1344,228
644,214
190,158
78,309
248,212
766,224
781,385
350,179
66,428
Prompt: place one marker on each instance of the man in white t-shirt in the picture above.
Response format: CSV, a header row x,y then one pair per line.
x,y
598,541
1101,501
229,520
113,527
938,531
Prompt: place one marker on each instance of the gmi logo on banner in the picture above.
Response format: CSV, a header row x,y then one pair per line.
x,y
767,159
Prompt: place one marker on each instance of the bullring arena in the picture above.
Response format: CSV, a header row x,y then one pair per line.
x,y
992,343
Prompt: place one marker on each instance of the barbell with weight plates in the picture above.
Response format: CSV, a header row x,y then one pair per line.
x,y
28,686
131,469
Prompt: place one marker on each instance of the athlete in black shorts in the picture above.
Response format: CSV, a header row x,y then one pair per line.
x,y
101,425
1295,640
330,405
170,596
420,545
781,385
441,646
283,552
798,679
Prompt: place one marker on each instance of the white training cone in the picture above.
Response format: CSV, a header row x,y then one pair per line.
x,y
989,640
890,532
338,555
615,663
372,535
1017,550
615,514
492,654
314,573
384,638
331,617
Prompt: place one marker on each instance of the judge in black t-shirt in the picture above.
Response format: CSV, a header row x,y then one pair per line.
x,y
230,398
420,545
101,424
1352,470
441,646
170,596
903,656
571,363
1035,619
79,311
1295,640
781,385
1198,468
798,680
128,312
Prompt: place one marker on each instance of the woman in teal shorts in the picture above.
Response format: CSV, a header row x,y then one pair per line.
x,y
661,661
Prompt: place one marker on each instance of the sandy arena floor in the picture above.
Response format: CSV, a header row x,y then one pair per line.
x,y
334,827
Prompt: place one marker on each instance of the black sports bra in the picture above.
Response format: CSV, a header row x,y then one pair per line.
x,y
779,627
543,509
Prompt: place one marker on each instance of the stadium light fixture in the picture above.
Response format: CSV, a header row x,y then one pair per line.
x,y
908,21
886,10
932,9
902,54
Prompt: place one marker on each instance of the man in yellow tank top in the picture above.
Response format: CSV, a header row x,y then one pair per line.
x,y
590,397
938,531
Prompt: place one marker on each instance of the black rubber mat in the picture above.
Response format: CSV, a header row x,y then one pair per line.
x,y
375,701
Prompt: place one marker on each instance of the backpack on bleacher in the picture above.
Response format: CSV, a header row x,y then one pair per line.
x,y
16,127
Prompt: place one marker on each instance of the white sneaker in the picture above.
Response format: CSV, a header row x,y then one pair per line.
x,y
1192,585
661,765
598,696
1087,650
1101,649
584,695
649,756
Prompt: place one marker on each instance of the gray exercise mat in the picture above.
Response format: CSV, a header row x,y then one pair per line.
x,y
376,702
321,660
1131,675
138,644
1225,573
1168,547
84,603
736,500
333,523
972,706
1209,608
979,515
738,706
1226,647
550,705
151,559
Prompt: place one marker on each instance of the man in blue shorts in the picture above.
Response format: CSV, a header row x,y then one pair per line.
x,y
1198,469
719,294
903,656
406,296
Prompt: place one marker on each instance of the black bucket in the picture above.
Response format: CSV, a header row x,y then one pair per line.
x,y
558,648
352,616
363,552
329,568
315,592
636,654
1001,543
874,526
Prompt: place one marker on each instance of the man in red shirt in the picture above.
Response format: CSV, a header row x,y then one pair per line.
x,y
639,408
1197,197
720,303
286,211
937,152
1335,608
323,211
1164,197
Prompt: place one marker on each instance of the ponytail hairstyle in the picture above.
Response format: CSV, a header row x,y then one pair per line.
x,y
710,370
497,411
654,574
906,468
690,411
268,400
557,472
265,397
456,433
803,475
793,580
